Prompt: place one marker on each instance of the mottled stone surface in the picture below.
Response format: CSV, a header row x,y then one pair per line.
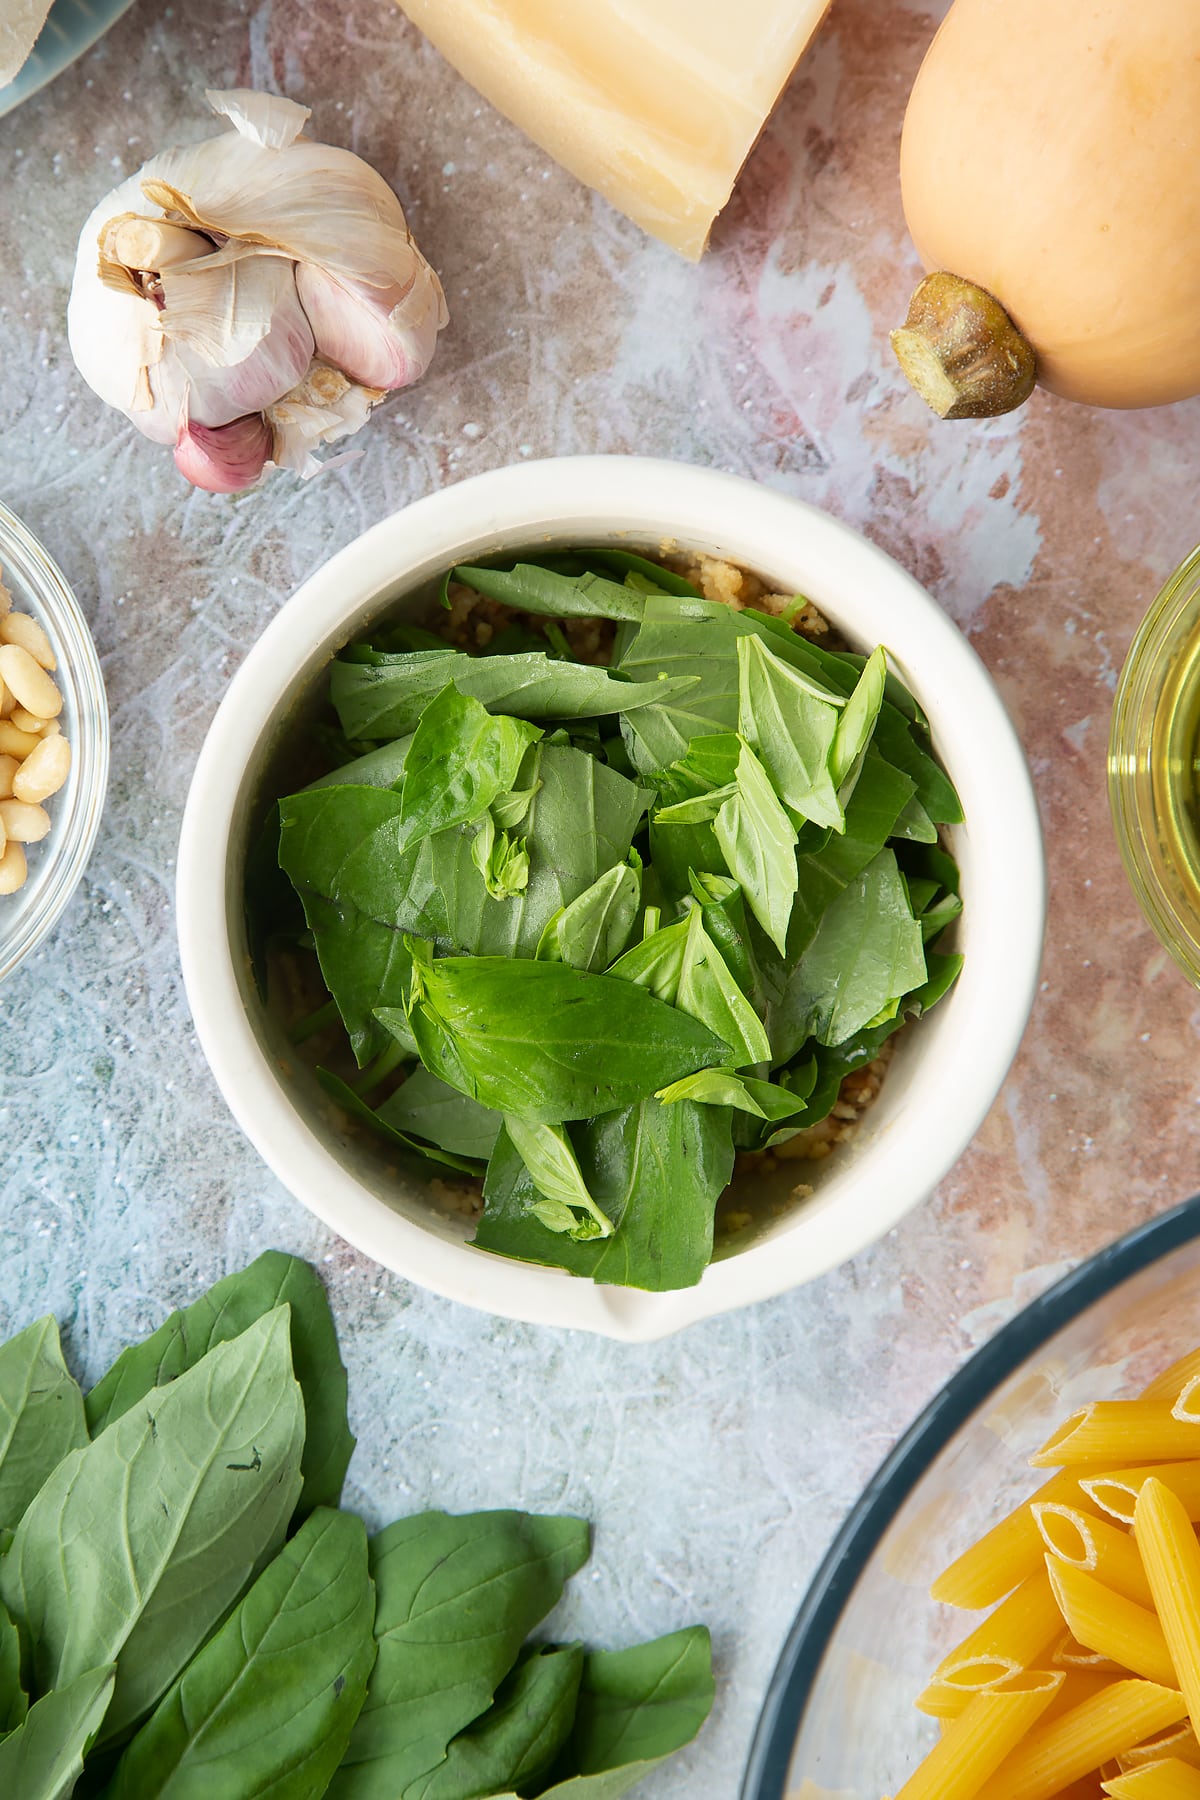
x,y
716,1466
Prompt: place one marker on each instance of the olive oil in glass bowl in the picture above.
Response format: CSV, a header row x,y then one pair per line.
x,y
1154,766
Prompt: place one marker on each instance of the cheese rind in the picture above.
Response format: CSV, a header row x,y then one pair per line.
x,y
655,103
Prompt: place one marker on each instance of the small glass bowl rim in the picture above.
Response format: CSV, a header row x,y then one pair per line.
x,y
795,1674
1138,696
73,837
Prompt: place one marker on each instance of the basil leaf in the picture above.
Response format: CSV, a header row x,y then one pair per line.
x,y
460,760
139,1544
657,1171
859,718
791,723
382,767
866,952
14,1703
758,842
656,964
502,861
627,562
432,1110
710,762
903,746
517,1740
580,823
528,588
43,1758
725,921
723,1087
41,1415
454,1600
545,1042
561,1190
915,825
699,809
709,993
880,795
413,1151
384,698
595,927
268,1705
700,650
642,1704
229,1308
679,851
935,920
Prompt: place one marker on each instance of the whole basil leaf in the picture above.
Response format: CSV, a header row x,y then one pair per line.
x,y
461,759
268,1705
43,1758
657,1171
724,1087
138,1544
791,722
758,842
867,952
562,1194
517,1740
427,1107
384,698
229,1308
643,1704
41,1415
595,927
545,1042
412,1151
858,719
455,1599
527,587
14,1702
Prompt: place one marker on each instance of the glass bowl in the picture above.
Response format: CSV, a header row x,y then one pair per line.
x,y
1152,766
838,1720
37,586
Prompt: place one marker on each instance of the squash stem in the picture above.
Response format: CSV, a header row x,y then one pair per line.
x,y
961,351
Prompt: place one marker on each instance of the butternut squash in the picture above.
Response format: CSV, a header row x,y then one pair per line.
x,y
1050,168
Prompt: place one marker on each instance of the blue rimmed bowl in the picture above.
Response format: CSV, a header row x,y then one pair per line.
x,y
838,1718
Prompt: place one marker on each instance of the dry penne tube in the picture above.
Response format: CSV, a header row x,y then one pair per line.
x,y
1117,1491
1068,1748
1096,1546
1167,1779
1116,1431
1113,1626
949,1699
1171,1383
1007,1554
1179,1741
976,1744
1172,1557
1022,1629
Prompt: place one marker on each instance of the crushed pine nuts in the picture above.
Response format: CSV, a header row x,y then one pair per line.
x,y
35,758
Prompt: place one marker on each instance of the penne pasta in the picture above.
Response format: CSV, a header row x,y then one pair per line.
x,y
1172,1557
1021,1630
1111,1625
1007,1554
1171,1383
1098,1547
1068,1748
1080,1685
1168,1779
1116,1493
1179,1741
979,1741
1116,1431
948,1699
1069,1653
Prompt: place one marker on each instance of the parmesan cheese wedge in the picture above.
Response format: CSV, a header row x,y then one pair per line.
x,y
20,23
655,103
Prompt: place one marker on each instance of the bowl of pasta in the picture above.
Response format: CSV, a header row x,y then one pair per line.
x,y
1012,1609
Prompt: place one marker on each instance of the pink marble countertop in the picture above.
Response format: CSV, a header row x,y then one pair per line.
x,y
717,1465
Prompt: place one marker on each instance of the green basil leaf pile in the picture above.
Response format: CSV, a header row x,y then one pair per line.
x,y
186,1613
587,930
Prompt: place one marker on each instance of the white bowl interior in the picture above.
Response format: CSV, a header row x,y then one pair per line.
x,y
946,1069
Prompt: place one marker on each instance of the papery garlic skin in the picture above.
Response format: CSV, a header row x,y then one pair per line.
x,y
285,288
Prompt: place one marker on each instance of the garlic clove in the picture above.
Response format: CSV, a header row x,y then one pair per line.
x,y
238,337
383,337
226,458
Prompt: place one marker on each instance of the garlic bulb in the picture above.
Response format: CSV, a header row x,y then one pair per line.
x,y
252,297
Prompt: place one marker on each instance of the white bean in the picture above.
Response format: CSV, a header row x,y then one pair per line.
x,y
43,771
14,742
23,822
13,869
8,768
27,721
28,680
